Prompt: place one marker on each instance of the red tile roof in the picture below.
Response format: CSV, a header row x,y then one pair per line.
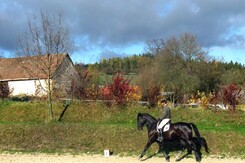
x,y
26,68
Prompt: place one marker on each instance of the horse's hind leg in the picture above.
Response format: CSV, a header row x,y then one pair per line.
x,y
191,145
178,158
194,148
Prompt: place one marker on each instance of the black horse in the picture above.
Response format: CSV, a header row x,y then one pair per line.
x,y
179,132
181,145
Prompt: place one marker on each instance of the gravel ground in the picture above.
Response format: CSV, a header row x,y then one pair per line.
x,y
44,158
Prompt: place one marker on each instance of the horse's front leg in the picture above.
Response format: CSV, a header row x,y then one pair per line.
x,y
148,144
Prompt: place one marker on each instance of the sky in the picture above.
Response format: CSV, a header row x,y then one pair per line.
x,y
103,29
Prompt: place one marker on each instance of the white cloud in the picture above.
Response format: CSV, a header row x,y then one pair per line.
x,y
118,25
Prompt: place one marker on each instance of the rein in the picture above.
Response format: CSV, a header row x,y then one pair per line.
x,y
149,120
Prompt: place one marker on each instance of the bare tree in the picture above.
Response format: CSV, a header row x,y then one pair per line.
x,y
186,47
154,46
190,49
45,38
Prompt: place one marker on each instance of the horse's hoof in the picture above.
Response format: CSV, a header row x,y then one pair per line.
x,y
177,160
140,158
198,160
168,159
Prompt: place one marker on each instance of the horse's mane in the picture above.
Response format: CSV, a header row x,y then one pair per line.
x,y
148,116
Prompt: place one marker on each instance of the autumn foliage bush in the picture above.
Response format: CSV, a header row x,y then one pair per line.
x,y
120,91
202,99
231,94
134,94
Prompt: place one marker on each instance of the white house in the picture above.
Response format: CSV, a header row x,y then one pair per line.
x,y
29,75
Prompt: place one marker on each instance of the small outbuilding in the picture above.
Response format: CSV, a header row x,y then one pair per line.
x,y
29,75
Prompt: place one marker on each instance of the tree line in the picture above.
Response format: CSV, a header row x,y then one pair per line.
x,y
178,65
134,64
126,65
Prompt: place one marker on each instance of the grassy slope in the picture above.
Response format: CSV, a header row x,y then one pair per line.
x,y
93,127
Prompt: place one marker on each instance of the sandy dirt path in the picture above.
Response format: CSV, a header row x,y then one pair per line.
x,y
43,158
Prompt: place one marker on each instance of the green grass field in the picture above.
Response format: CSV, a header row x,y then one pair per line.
x,y
93,127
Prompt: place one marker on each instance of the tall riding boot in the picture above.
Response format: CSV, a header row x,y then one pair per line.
x,y
160,137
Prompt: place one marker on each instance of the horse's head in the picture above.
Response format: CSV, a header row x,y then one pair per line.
x,y
140,121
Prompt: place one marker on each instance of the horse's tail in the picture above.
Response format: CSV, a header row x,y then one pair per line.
x,y
198,136
205,145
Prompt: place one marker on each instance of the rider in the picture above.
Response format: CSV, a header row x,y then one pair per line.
x,y
166,116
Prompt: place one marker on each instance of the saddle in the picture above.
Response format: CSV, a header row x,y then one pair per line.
x,y
165,127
